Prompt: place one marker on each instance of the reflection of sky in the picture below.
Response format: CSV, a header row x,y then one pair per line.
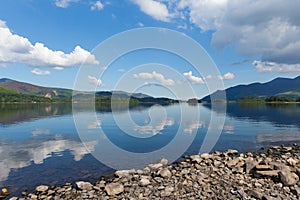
x,y
19,155
25,143
154,129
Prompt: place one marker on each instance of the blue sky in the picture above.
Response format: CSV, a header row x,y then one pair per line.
x,y
45,42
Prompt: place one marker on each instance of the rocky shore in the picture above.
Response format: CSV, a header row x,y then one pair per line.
x,y
273,174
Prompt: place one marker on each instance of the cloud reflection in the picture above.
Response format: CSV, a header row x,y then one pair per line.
x,y
154,129
18,155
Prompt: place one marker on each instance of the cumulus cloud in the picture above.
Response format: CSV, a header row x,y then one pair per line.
x,y
276,67
64,3
15,48
93,80
154,75
264,29
97,6
206,14
39,72
155,9
193,79
227,76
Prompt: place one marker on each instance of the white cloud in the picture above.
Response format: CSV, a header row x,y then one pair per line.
x,y
93,80
227,76
15,48
121,70
193,79
155,9
276,67
64,3
255,28
154,75
39,72
97,6
58,68
206,14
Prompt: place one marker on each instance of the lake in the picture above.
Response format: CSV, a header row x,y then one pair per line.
x,y
40,144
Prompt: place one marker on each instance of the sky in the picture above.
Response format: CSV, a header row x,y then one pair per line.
x,y
45,42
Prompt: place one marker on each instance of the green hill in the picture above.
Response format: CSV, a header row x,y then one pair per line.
x,y
284,87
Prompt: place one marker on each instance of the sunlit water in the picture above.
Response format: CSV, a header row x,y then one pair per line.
x,y
39,144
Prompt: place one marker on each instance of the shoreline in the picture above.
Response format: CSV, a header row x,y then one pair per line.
x,y
271,174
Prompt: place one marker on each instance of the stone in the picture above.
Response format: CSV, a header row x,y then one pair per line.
x,y
32,196
4,192
84,185
144,182
155,166
196,158
205,156
42,188
249,165
263,167
288,178
101,184
165,173
280,166
232,152
114,189
14,198
292,162
233,162
124,173
271,173
168,191
164,162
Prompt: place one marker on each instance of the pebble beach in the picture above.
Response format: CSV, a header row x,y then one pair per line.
x,y
270,174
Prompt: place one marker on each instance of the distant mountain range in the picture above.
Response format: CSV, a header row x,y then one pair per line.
x,y
16,91
278,87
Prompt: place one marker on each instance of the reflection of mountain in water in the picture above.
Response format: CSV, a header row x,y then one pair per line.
x,y
15,113
277,114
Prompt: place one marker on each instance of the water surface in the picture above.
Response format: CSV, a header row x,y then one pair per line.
x,y
39,144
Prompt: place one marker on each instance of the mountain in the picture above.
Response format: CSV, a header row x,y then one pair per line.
x,y
26,88
15,91
278,87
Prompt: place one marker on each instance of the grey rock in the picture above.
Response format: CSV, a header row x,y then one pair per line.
x,y
249,165
84,185
196,158
271,173
164,162
42,188
255,194
165,173
292,162
114,189
155,166
144,182
124,173
288,178
205,156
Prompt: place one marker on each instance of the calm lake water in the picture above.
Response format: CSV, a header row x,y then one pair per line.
x,y
39,144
